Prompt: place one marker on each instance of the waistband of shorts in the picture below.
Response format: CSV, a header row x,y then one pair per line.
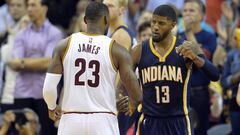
x,y
76,112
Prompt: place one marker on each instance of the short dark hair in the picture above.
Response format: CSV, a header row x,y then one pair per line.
x,y
143,26
44,2
200,4
166,11
95,10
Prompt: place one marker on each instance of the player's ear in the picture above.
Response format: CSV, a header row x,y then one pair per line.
x,y
85,19
105,20
173,24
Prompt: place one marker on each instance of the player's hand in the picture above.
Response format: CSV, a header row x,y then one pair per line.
x,y
55,114
189,50
122,104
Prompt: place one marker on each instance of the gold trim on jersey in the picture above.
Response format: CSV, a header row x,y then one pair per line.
x,y
162,58
185,109
139,108
67,48
111,57
90,34
139,123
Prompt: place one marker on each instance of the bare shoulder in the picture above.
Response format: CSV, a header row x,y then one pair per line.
x,y
136,53
62,46
123,38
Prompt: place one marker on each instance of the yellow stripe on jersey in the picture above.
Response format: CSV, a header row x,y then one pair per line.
x,y
185,101
162,58
111,57
66,50
139,108
139,123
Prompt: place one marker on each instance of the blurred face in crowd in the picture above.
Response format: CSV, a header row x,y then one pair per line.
x,y
36,10
192,12
161,27
17,9
115,10
32,121
236,39
145,34
81,6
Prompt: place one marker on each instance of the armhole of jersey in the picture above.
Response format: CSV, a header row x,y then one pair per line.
x,y
67,48
111,57
140,57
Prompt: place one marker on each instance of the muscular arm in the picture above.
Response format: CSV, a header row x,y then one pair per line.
x,y
53,76
136,55
124,63
191,51
207,67
56,65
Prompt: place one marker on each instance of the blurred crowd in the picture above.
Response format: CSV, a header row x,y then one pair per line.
x,y
29,30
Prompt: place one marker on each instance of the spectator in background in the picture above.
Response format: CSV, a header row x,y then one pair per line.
x,y
11,123
227,23
6,21
32,53
200,101
17,9
213,12
4,17
144,17
231,79
152,4
118,30
144,31
77,23
61,11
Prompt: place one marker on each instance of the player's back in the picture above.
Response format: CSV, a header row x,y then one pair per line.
x,y
89,75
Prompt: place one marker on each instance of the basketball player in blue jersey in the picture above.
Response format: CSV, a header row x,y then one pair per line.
x,y
164,64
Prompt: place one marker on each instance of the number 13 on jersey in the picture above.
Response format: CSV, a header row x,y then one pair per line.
x,y
162,94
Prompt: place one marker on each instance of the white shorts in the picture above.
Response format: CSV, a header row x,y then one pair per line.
x,y
88,124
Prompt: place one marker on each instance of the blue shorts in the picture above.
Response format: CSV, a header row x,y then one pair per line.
x,y
148,125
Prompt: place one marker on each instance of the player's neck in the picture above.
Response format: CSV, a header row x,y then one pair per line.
x,y
115,24
166,43
94,30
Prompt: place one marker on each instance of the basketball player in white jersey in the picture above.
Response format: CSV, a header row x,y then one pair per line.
x,y
89,63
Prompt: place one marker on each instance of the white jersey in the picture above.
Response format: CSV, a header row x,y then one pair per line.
x,y
89,74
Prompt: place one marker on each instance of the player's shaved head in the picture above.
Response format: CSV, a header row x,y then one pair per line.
x,y
96,10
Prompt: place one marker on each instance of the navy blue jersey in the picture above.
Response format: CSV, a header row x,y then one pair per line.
x,y
165,81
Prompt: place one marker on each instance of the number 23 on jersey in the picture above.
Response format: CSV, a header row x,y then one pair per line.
x,y
93,64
